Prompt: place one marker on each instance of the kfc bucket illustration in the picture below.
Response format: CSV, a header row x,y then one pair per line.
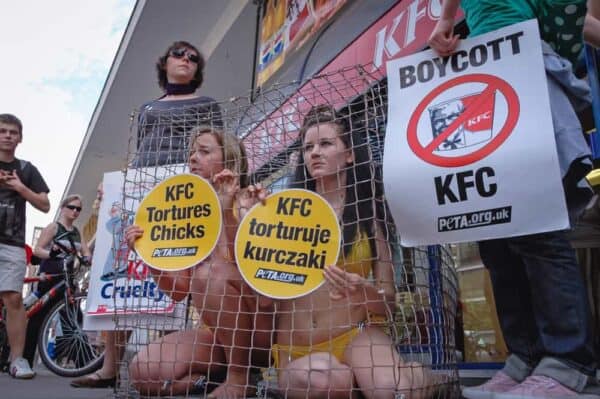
x,y
473,131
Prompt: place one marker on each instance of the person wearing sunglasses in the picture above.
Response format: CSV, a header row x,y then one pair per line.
x,y
51,264
164,123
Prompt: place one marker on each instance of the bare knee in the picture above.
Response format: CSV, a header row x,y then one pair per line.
x,y
415,380
138,367
317,378
138,373
144,374
12,300
134,368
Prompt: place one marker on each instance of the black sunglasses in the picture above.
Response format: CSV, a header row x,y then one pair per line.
x,y
182,52
73,207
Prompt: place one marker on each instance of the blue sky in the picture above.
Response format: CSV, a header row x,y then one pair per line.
x,y
55,58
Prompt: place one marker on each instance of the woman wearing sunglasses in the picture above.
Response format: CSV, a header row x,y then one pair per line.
x,y
70,208
164,123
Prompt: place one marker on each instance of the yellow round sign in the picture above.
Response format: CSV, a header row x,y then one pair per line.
x,y
281,248
182,221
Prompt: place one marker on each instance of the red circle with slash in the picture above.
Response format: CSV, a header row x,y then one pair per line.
x,y
493,84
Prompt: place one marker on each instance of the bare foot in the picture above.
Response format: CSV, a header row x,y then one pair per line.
x,y
231,391
419,382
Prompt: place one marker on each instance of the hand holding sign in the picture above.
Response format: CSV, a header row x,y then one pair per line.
x,y
132,234
227,184
249,197
342,284
442,39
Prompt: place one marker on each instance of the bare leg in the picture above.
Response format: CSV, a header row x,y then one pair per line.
x,y
179,358
16,322
318,375
379,370
114,347
113,352
243,331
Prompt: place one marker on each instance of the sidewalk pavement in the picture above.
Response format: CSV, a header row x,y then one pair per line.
x,y
47,385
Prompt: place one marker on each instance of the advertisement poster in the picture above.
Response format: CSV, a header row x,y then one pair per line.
x,y
470,152
286,25
120,283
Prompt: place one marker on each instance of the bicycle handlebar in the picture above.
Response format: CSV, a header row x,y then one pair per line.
x,y
69,251
42,277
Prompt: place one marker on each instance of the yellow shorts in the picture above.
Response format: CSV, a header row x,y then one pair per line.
x,y
336,346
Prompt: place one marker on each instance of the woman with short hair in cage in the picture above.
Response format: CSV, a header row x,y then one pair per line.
x,y
237,326
331,343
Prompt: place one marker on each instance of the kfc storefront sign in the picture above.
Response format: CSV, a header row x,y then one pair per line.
x,y
403,30
411,24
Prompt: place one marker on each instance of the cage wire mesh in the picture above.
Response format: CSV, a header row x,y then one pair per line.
x,y
215,328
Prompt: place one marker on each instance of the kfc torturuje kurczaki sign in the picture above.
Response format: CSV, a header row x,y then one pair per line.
x,y
282,247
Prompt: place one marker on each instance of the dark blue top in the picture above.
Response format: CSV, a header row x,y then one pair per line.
x,y
164,128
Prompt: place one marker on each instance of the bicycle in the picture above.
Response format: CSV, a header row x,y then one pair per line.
x,y
63,346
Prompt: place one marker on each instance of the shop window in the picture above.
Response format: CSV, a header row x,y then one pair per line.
x,y
483,341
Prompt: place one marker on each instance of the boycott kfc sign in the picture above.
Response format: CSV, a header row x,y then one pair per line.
x,y
470,152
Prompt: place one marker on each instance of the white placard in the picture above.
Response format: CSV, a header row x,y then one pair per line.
x,y
120,283
470,152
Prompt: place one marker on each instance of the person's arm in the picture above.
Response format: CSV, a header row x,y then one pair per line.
x,y
442,39
142,126
92,244
226,184
38,200
591,27
85,249
175,284
383,270
215,114
379,296
45,241
235,202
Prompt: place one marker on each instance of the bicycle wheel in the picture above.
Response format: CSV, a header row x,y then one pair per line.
x,y
64,347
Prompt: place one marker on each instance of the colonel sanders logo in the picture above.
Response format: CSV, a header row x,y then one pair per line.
x,y
474,130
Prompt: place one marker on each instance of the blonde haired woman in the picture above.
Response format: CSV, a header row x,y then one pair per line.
x,y
236,330
70,208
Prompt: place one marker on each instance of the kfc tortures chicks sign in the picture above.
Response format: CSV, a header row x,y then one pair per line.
x,y
182,221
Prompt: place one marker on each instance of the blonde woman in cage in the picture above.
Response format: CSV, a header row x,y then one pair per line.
x,y
330,343
237,326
